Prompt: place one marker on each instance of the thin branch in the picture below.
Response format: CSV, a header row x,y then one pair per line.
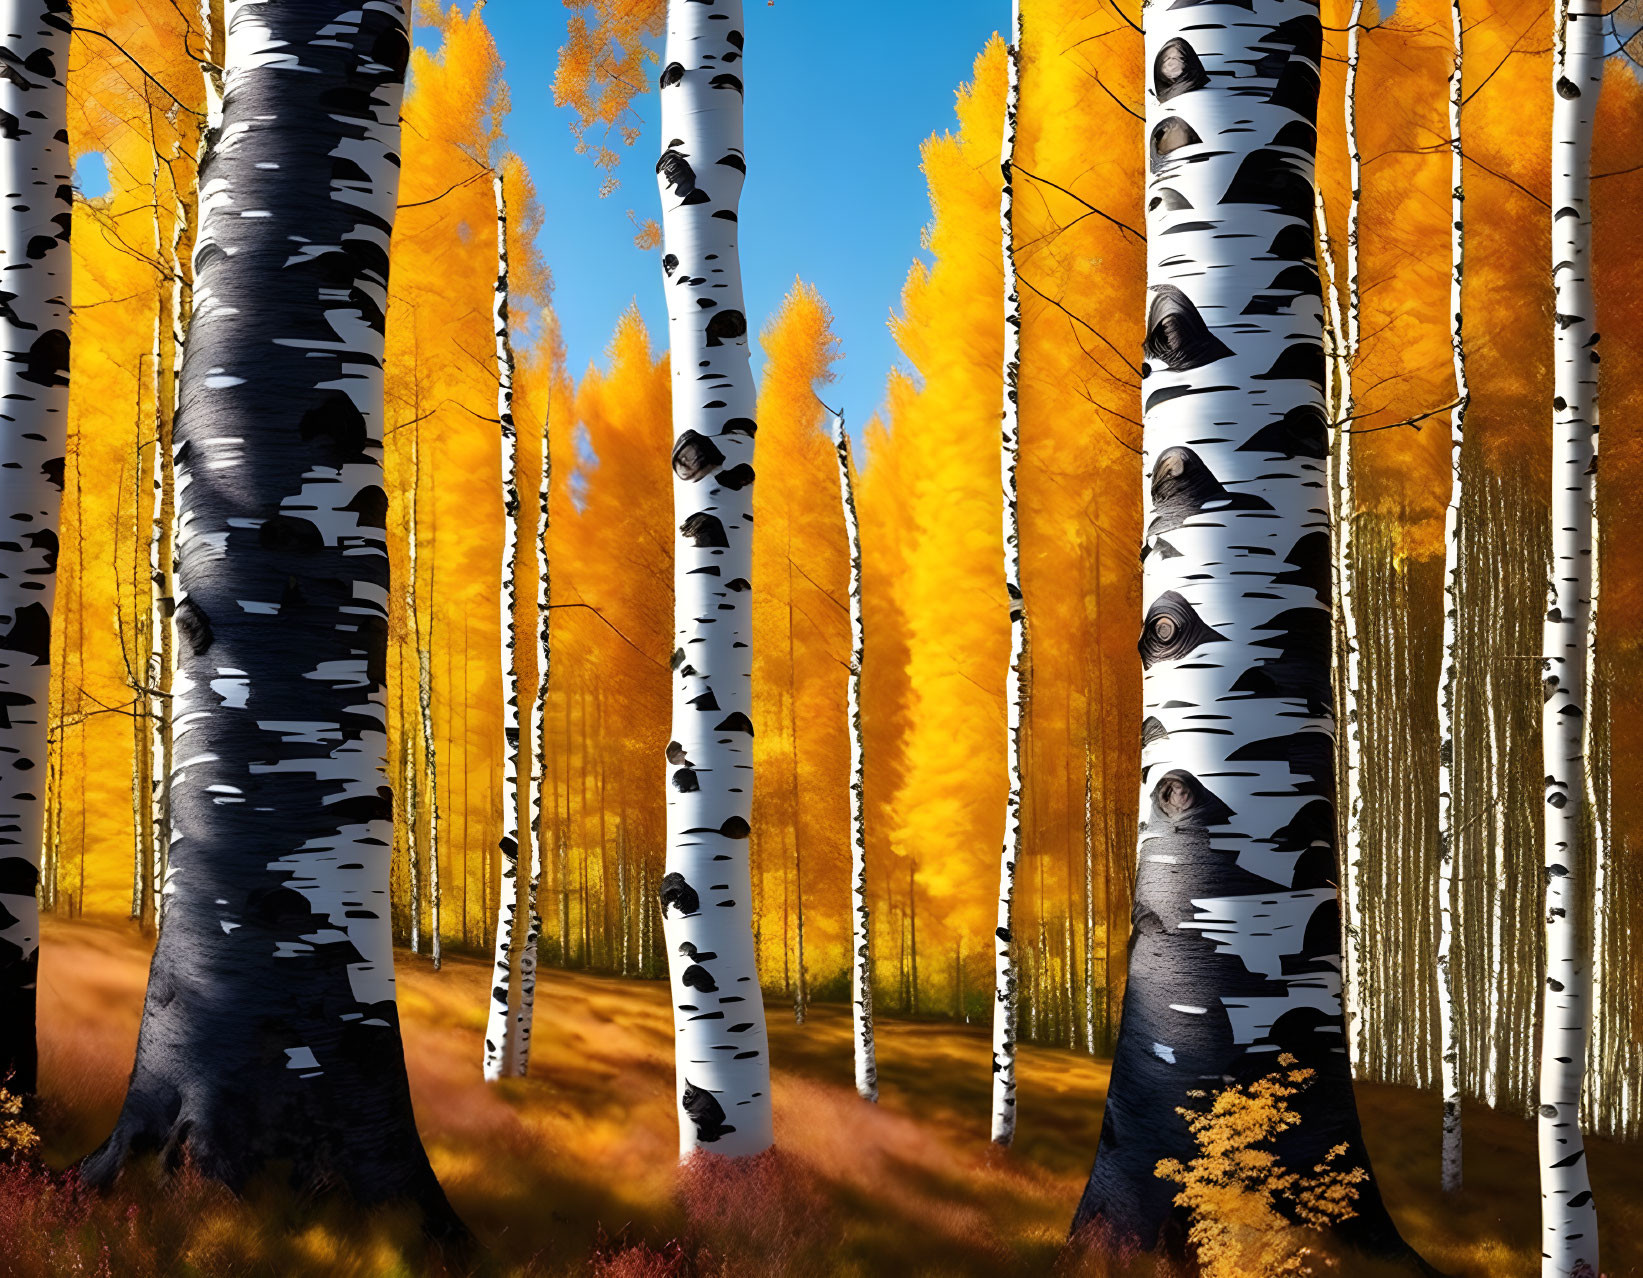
x,y
613,626
1084,322
1123,226
87,31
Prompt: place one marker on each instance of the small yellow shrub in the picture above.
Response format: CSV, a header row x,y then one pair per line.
x,y
1250,1214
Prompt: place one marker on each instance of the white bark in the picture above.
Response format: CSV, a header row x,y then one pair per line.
x,y
1004,964
34,325
1449,671
861,964
1568,1218
537,750
706,893
507,1033
413,841
430,769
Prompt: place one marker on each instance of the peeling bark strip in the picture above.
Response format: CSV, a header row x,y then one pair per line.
x,y
1449,1062
1568,1217
270,1031
508,1028
34,326
1005,979
1235,953
861,929
706,892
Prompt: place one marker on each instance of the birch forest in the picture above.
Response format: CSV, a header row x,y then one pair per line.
x,y
1129,761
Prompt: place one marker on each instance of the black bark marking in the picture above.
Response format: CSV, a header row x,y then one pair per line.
x,y
1168,136
695,456
1275,179
705,531
677,894
1177,69
1177,336
726,326
1301,432
1183,487
1173,630
705,1112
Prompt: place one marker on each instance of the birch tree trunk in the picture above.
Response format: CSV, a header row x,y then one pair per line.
x,y
270,1032
1236,947
706,893
413,832
34,325
1568,1217
861,930
537,755
1089,902
1006,983
1449,670
1346,573
507,1031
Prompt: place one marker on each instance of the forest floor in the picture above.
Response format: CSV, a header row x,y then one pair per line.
x,y
573,1170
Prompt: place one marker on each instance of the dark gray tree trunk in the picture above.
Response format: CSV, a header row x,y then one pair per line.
x,y
1235,952
270,1033
34,328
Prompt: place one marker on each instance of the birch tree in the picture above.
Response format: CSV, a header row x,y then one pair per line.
x,y
507,1031
706,893
1006,978
1236,950
861,930
34,325
1568,1218
1449,671
270,1032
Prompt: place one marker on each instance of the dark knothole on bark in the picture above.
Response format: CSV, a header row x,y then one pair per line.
x,y
30,634
670,263
336,421
10,701
1275,179
1182,800
1567,89
678,658
194,626
724,80
675,171
737,477
47,364
696,977
1177,336
726,326
1168,136
740,426
679,895
735,827
1182,487
695,456
1152,731
734,161
53,471
705,1113
736,585
289,534
685,782
1169,200
1301,432
707,701
677,757
705,531
1173,630
736,722
671,75
1177,69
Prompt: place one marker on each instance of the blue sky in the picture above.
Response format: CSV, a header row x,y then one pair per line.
x,y
839,96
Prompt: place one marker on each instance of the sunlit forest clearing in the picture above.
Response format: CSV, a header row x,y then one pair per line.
x,y
570,1171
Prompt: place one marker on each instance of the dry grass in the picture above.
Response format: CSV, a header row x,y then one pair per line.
x,y
573,1170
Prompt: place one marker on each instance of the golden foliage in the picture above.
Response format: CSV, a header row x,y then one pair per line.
x,y
604,65
18,1139
1250,1214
